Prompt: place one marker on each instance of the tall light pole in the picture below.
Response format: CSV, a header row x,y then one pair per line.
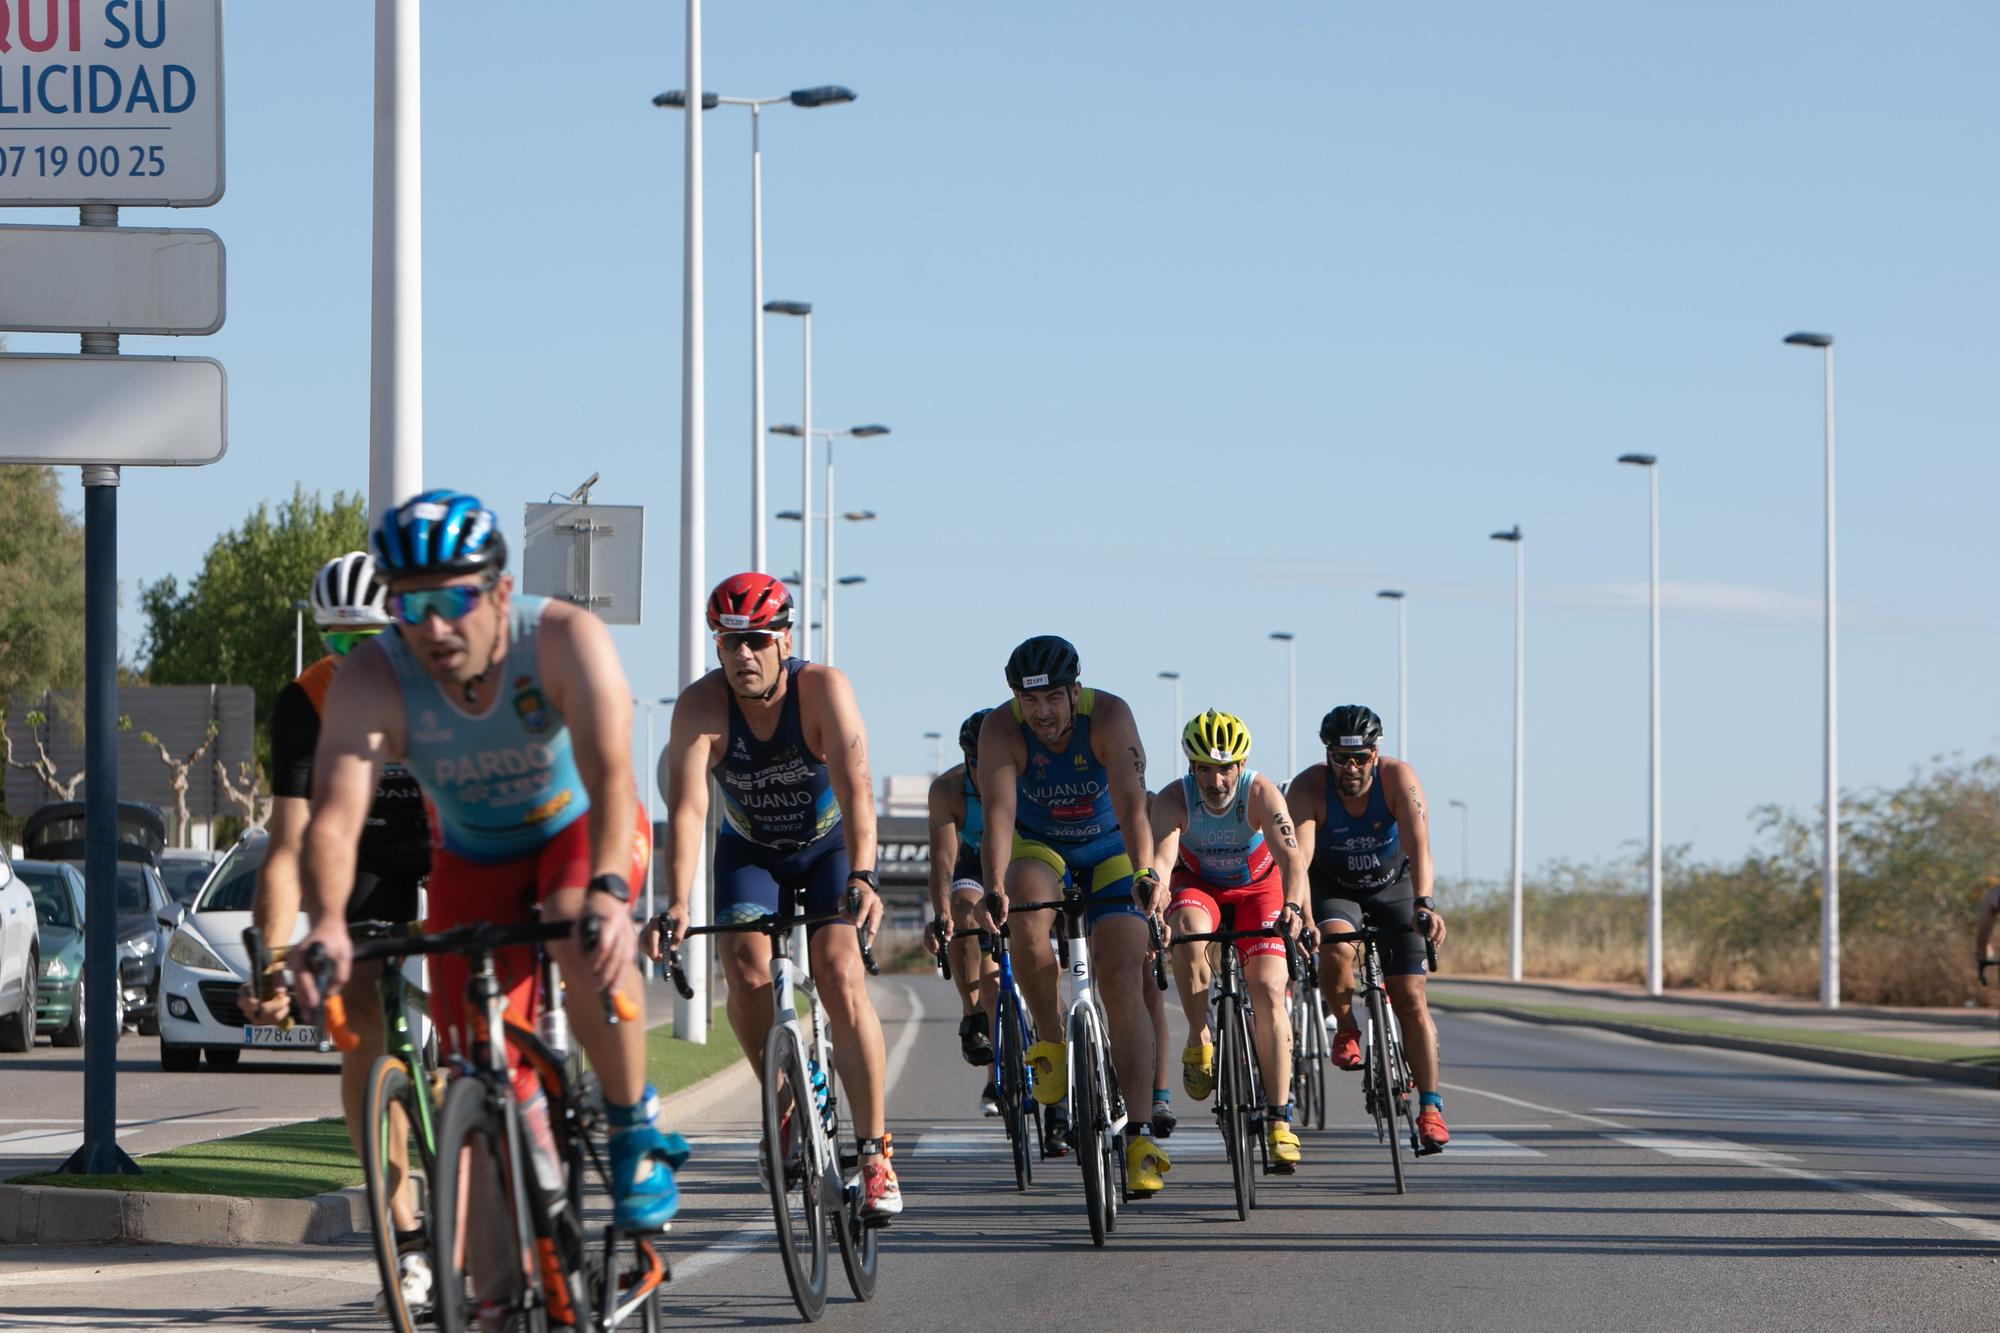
x,y
1464,843
396,285
827,579
652,780
1396,595
1291,701
825,95
1174,732
1655,970
1829,902
803,310
936,738
1513,536
299,609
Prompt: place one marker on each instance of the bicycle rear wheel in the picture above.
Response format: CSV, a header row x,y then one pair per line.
x,y
1016,1102
1089,1112
1383,1073
483,1244
860,1244
396,1156
1405,1099
1316,1065
797,1201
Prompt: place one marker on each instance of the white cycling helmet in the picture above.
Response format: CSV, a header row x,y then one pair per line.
x,y
347,592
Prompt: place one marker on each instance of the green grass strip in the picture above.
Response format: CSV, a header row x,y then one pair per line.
x,y
1948,1052
299,1161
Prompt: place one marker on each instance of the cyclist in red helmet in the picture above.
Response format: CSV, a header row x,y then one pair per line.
x,y
784,742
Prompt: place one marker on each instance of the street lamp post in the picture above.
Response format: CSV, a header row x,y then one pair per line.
x,y
1829,903
826,95
1655,969
1397,596
1291,701
299,609
1464,843
936,738
1513,536
827,579
652,786
803,311
1174,732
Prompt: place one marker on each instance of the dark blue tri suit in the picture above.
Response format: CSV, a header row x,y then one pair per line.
x,y
781,826
1358,876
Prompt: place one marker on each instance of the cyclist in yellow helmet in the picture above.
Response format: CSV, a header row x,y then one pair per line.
x,y
1227,833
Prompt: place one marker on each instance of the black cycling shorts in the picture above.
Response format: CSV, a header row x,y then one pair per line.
x,y
1389,909
382,898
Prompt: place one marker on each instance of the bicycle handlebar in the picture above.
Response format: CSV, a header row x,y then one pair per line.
x,y
1159,942
1360,935
766,925
1294,968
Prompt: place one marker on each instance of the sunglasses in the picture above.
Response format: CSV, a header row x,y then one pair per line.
x,y
1350,758
452,603
341,642
756,640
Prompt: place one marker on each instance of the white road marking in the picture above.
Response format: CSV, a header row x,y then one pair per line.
x,y
1532,1106
305,1267
35,1142
1702,1148
906,1039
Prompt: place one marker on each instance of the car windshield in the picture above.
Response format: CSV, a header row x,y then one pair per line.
x,y
184,878
132,895
53,906
235,880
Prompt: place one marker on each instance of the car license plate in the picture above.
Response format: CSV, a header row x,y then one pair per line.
x,y
298,1035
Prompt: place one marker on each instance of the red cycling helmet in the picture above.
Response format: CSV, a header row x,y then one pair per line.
x,y
749,602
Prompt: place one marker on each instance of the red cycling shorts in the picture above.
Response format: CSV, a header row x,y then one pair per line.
x,y
506,894
1251,906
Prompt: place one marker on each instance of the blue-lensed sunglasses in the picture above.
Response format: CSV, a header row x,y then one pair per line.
x,y
452,603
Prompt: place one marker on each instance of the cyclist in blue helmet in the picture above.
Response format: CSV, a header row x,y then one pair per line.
x,y
513,714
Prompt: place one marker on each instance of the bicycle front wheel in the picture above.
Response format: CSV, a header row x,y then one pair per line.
x,y
797,1198
484,1252
396,1156
1388,1092
1090,1112
1232,1107
1250,1080
1016,1102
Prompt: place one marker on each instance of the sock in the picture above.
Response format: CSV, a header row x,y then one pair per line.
x,y
1161,1097
1430,1099
1283,1113
643,1112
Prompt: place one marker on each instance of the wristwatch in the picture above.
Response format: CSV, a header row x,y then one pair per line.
x,y
1426,903
614,885
865,876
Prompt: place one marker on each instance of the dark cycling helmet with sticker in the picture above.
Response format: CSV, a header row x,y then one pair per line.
x,y
1351,727
1040,663
968,734
439,532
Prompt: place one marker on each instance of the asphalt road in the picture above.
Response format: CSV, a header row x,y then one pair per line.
x,y
1593,1180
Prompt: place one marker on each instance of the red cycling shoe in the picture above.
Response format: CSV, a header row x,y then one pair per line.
x,y
1431,1130
1347,1048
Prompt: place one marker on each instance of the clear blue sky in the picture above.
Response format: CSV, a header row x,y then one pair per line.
x,y
1194,325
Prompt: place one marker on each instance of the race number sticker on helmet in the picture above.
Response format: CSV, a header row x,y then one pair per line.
x,y
1038,682
734,622
1354,742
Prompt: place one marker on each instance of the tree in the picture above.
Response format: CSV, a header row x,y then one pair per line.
x,y
249,794
41,587
233,624
43,766
180,768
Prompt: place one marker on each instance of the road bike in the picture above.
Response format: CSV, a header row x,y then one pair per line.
x,y
1387,1087
1310,1051
1097,1112
1013,1033
811,1192
400,1120
1239,1083
509,1243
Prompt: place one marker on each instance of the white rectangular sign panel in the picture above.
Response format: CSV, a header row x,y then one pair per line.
x,y
110,279
110,102
166,411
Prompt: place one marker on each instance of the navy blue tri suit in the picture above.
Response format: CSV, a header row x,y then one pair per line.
x,y
1359,875
781,826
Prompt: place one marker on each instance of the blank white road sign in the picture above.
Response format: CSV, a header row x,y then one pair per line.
x,y
166,411
110,102
110,279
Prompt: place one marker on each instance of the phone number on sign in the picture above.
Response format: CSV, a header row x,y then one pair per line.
x,y
89,160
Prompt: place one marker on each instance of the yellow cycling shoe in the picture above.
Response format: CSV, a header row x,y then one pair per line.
x,y
1198,1070
1284,1144
1145,1163
1051,1067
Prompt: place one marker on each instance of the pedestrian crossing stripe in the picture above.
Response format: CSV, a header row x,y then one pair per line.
x,y
1700,1148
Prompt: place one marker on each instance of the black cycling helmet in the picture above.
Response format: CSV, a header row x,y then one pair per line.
x,y
1351,727
968,734
1042,662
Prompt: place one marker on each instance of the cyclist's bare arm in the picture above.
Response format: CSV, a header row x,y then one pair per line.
x,y
947,813
840,738
274,908
694,741
1002,752
580,666
1305,798
1170,816
1114,739
1405,797
1273,818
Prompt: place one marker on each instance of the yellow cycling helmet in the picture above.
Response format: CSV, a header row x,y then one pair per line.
x,y
1216,738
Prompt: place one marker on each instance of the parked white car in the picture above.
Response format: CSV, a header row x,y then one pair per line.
x,y
20,955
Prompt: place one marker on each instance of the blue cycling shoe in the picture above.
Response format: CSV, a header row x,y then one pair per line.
x,y
643,1162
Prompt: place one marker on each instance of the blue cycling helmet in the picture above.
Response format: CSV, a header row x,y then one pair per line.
x,y
439,532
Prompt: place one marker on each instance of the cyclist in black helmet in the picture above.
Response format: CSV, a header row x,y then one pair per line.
x,y
957,824
1362,824
1062,778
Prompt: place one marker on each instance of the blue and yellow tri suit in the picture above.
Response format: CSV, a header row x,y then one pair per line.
x,y
1065,820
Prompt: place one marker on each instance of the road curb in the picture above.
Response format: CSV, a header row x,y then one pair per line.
x,y
51,1214
1944,1070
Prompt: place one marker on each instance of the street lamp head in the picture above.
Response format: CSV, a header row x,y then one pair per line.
x,y
1512,534
1391,594
1639,460
1170,675
788,307
849,580
1809,340
868,431
1458,803
787,428
934,735
790,515
678,99
827,94
859,516
301,604
1282,636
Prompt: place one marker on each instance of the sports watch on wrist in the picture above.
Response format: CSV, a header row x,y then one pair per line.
x,y
1426,903
614,885
865,876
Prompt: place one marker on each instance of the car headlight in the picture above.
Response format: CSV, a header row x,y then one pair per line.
x,y
137,947
188,949
56,970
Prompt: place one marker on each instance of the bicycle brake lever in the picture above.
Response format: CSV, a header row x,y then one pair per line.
x,y
868,959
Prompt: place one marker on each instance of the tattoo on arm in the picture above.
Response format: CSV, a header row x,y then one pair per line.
x,y
1416,802
1286,834
1138,760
